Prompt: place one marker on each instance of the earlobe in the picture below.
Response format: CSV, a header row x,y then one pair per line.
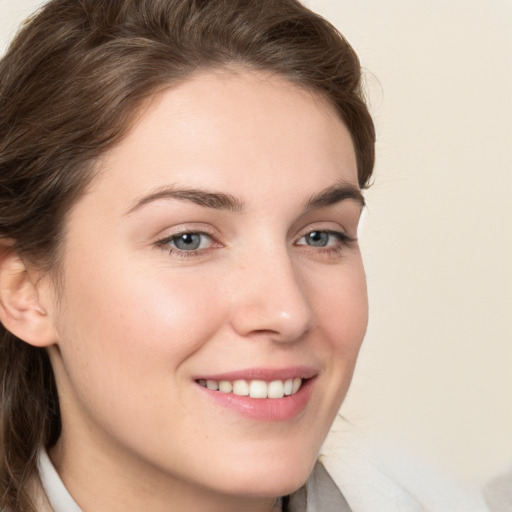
x,y
21,311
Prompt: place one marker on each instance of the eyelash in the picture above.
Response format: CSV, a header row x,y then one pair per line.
x,y
343,241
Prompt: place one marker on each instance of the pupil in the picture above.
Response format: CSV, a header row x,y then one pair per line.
x,y
188,241
318,238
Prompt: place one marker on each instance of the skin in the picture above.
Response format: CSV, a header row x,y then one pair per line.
x,y
135,322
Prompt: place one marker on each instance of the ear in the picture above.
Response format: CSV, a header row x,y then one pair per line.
x,y
21,310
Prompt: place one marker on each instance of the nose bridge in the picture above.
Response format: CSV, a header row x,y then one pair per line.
x,y
271,296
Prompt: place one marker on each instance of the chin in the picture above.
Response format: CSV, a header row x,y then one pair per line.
x,y
282,485
270,477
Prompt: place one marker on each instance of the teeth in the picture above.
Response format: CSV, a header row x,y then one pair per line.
x,y
212,384
255,388
258,389
241,388
288,387
225,386
276,389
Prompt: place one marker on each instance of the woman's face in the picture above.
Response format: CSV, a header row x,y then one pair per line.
x,y
215,248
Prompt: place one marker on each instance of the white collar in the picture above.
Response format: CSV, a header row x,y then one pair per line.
x,y
58,496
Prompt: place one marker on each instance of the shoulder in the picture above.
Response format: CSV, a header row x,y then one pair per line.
x,y
498,493
38,496
388,480
319,493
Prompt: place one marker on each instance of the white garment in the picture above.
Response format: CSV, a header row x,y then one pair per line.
x,y
383,477
58,496
498,493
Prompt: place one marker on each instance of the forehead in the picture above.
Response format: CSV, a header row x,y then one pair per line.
x,y
219,128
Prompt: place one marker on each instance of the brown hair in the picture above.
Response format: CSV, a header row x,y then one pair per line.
x,y
70,84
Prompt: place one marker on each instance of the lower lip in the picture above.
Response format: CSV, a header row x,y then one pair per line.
x,y
265,409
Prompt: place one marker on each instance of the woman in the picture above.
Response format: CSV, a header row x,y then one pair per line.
x,y
181,290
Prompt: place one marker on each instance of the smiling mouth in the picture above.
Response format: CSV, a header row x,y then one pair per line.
x,y
255,388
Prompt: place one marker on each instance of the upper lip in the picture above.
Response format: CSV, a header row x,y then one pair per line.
x,y
266,374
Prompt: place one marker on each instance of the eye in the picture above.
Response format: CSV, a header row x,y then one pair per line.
x,y
322,239
189,241
317,238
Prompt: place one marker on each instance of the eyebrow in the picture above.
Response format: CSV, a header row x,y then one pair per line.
x,y
215,200
228,202
335,194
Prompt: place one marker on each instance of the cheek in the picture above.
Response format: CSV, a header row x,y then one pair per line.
x,y
123,325
342,311
125,346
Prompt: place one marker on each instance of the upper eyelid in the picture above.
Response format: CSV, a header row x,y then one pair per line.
x,y
182,230
187,232
333,226
320,226
341,235
168,239
319,230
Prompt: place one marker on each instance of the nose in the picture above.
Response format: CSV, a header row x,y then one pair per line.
x,y
270,298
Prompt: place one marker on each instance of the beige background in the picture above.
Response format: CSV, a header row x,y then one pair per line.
x,y
435,371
